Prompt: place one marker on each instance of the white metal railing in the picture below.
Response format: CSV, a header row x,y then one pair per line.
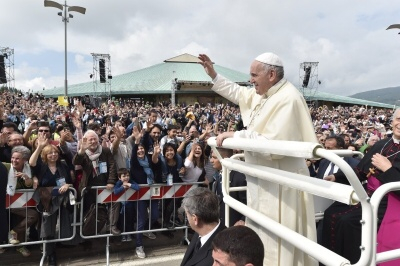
x,y
343,193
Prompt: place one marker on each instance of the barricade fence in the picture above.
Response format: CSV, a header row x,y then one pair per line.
x,y
153,208
29,215
155,196
321,189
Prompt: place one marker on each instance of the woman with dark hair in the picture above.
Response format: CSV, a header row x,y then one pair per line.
x,y
173,170
194,164
53,181
145,169
172,163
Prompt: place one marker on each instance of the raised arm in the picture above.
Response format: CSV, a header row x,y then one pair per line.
x,y
42,142
156,152
206,62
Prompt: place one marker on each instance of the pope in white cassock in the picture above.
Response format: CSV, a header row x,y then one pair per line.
x,y
273,110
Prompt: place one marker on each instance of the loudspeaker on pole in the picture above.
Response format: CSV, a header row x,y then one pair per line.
x,y
306,76
3,78
102,63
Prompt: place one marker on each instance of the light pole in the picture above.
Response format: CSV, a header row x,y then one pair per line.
x,y
65,18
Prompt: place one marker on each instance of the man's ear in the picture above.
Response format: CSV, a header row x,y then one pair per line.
x,y
195,219
272,75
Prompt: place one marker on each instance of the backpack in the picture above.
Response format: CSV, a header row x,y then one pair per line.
x,y
89,221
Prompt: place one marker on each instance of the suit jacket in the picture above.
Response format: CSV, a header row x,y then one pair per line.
x,y
203,257
236,179
324,164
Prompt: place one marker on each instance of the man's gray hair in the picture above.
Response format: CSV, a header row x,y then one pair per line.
x,y
395,112
91,132
26,153
280,72
202,203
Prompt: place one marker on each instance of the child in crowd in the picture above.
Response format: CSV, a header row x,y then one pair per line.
x,y
127,211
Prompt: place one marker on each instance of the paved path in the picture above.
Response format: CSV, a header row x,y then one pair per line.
x,y
160,251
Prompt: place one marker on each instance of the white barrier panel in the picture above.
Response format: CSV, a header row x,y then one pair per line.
x,y
279,147
343,193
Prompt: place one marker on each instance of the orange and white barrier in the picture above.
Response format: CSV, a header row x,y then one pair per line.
x,y
20,200
145,193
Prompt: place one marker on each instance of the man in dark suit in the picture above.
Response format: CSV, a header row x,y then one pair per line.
x,y
202,212
236,179
326,167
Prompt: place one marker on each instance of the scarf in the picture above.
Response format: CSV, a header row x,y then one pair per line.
x,y
146,167
14,183
94,156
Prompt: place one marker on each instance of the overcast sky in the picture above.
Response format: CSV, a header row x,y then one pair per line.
x,y
348,38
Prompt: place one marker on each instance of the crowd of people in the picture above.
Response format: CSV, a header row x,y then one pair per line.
x,y
124,143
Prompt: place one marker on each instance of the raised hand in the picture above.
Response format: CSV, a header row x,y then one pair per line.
x,y
81,108
157,148
208,65
42,141
117,132
64,135
76,122
3,139
193,148
83,145
149,124
32,125
136,134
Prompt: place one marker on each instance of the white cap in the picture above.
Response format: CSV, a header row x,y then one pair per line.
x,y
270,59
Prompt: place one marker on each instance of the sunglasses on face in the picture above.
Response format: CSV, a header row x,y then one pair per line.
x,y
43,130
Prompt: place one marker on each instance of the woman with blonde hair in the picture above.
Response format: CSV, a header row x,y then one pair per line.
x,y
53,179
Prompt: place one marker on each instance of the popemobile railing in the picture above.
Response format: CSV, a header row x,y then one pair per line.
x,y
23,198
349,194
156,192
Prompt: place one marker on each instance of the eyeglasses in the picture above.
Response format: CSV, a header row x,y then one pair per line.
x,y
43,130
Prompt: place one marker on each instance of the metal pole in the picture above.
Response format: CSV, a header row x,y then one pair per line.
x,y
65,52
173,88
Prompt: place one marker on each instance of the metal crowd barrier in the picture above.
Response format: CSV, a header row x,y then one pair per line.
x,y
23,199
329,190
155,192
158,192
